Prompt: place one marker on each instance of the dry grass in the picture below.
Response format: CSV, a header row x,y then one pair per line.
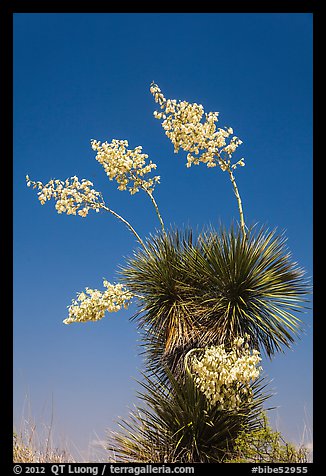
x,y
32,446
34,443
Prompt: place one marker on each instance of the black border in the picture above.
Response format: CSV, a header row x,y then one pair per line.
x,y
7,10
99,6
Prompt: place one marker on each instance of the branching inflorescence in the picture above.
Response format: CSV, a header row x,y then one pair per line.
x,y
224,376
190,129
92,304
184,125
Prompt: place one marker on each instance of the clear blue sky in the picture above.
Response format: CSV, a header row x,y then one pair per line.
x,y
84,76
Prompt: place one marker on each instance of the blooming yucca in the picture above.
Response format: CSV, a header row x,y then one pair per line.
x,y
191,129
185,126
224,376
207,305
92,304
71,195
125,165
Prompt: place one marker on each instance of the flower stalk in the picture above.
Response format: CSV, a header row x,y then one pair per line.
x,y
157,210
131,228
236,192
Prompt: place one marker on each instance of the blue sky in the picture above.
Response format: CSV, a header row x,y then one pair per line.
x,y
79,77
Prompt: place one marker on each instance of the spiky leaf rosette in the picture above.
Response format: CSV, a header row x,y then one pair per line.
x,y
164,317
177,425
246,285
212,289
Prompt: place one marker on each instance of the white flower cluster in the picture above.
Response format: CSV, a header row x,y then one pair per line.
x,y
71,195
92,304
184,125
125,165
225,376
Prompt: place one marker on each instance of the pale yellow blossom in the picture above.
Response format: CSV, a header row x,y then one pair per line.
x,y
191,129
225,376
72,196
92,304
127,166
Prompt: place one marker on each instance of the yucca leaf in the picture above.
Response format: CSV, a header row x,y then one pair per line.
x,y
176,424
212,288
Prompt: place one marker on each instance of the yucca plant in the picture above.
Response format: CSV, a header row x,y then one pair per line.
x,y
210,289
177,424
195,291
